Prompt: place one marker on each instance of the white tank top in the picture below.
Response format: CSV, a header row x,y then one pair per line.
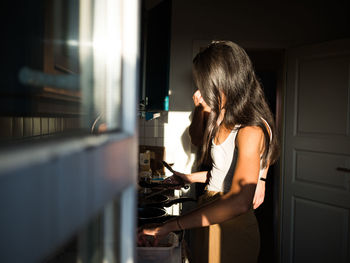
x,y
224,158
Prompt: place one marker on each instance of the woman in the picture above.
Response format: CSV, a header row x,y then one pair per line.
x,y
240,142
196,132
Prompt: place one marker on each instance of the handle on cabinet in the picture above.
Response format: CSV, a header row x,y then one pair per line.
x,y
343,169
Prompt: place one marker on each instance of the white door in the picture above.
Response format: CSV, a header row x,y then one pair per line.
x,y
316,154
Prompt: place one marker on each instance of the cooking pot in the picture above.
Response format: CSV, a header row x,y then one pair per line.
x,y
161,185
147,215
160,200
151,212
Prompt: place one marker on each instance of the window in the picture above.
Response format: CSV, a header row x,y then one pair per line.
x,y
69,66
63,70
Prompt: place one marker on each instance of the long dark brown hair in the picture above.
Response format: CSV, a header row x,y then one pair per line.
x,y
224,68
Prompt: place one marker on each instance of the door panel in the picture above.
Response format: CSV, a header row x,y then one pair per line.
x,y
322,93
318,168
311,235
316,196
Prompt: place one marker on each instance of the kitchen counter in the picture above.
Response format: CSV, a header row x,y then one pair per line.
x,y
173,210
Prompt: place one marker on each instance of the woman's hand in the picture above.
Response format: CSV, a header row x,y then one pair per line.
x,y
158,231
174,180
178,179
199,101
259,194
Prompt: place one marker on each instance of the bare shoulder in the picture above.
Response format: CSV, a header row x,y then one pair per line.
x,y
251,132
250,138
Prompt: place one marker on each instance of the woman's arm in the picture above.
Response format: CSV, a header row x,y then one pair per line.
x,y
238,200
197,177
260,187
197,126
259,195
199,119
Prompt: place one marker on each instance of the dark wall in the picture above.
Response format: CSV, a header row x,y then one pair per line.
x,y
252,24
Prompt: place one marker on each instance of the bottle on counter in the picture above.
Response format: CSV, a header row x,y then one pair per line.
x,y
145,171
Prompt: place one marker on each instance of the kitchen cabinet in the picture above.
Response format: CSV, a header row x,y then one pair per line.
x,y
37,57
155,52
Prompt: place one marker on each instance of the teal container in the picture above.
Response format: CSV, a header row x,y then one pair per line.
x,y
166,103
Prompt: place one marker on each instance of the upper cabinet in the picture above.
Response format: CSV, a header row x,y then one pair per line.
x,y
155,53
42,63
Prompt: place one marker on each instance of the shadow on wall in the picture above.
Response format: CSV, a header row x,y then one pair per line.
x,y
189,149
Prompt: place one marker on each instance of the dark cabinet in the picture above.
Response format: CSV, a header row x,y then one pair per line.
x,y
35,53
156,28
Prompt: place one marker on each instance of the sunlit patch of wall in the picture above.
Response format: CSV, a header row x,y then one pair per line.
x,y
171,131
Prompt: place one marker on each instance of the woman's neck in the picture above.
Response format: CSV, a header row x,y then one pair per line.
x,y
222,134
